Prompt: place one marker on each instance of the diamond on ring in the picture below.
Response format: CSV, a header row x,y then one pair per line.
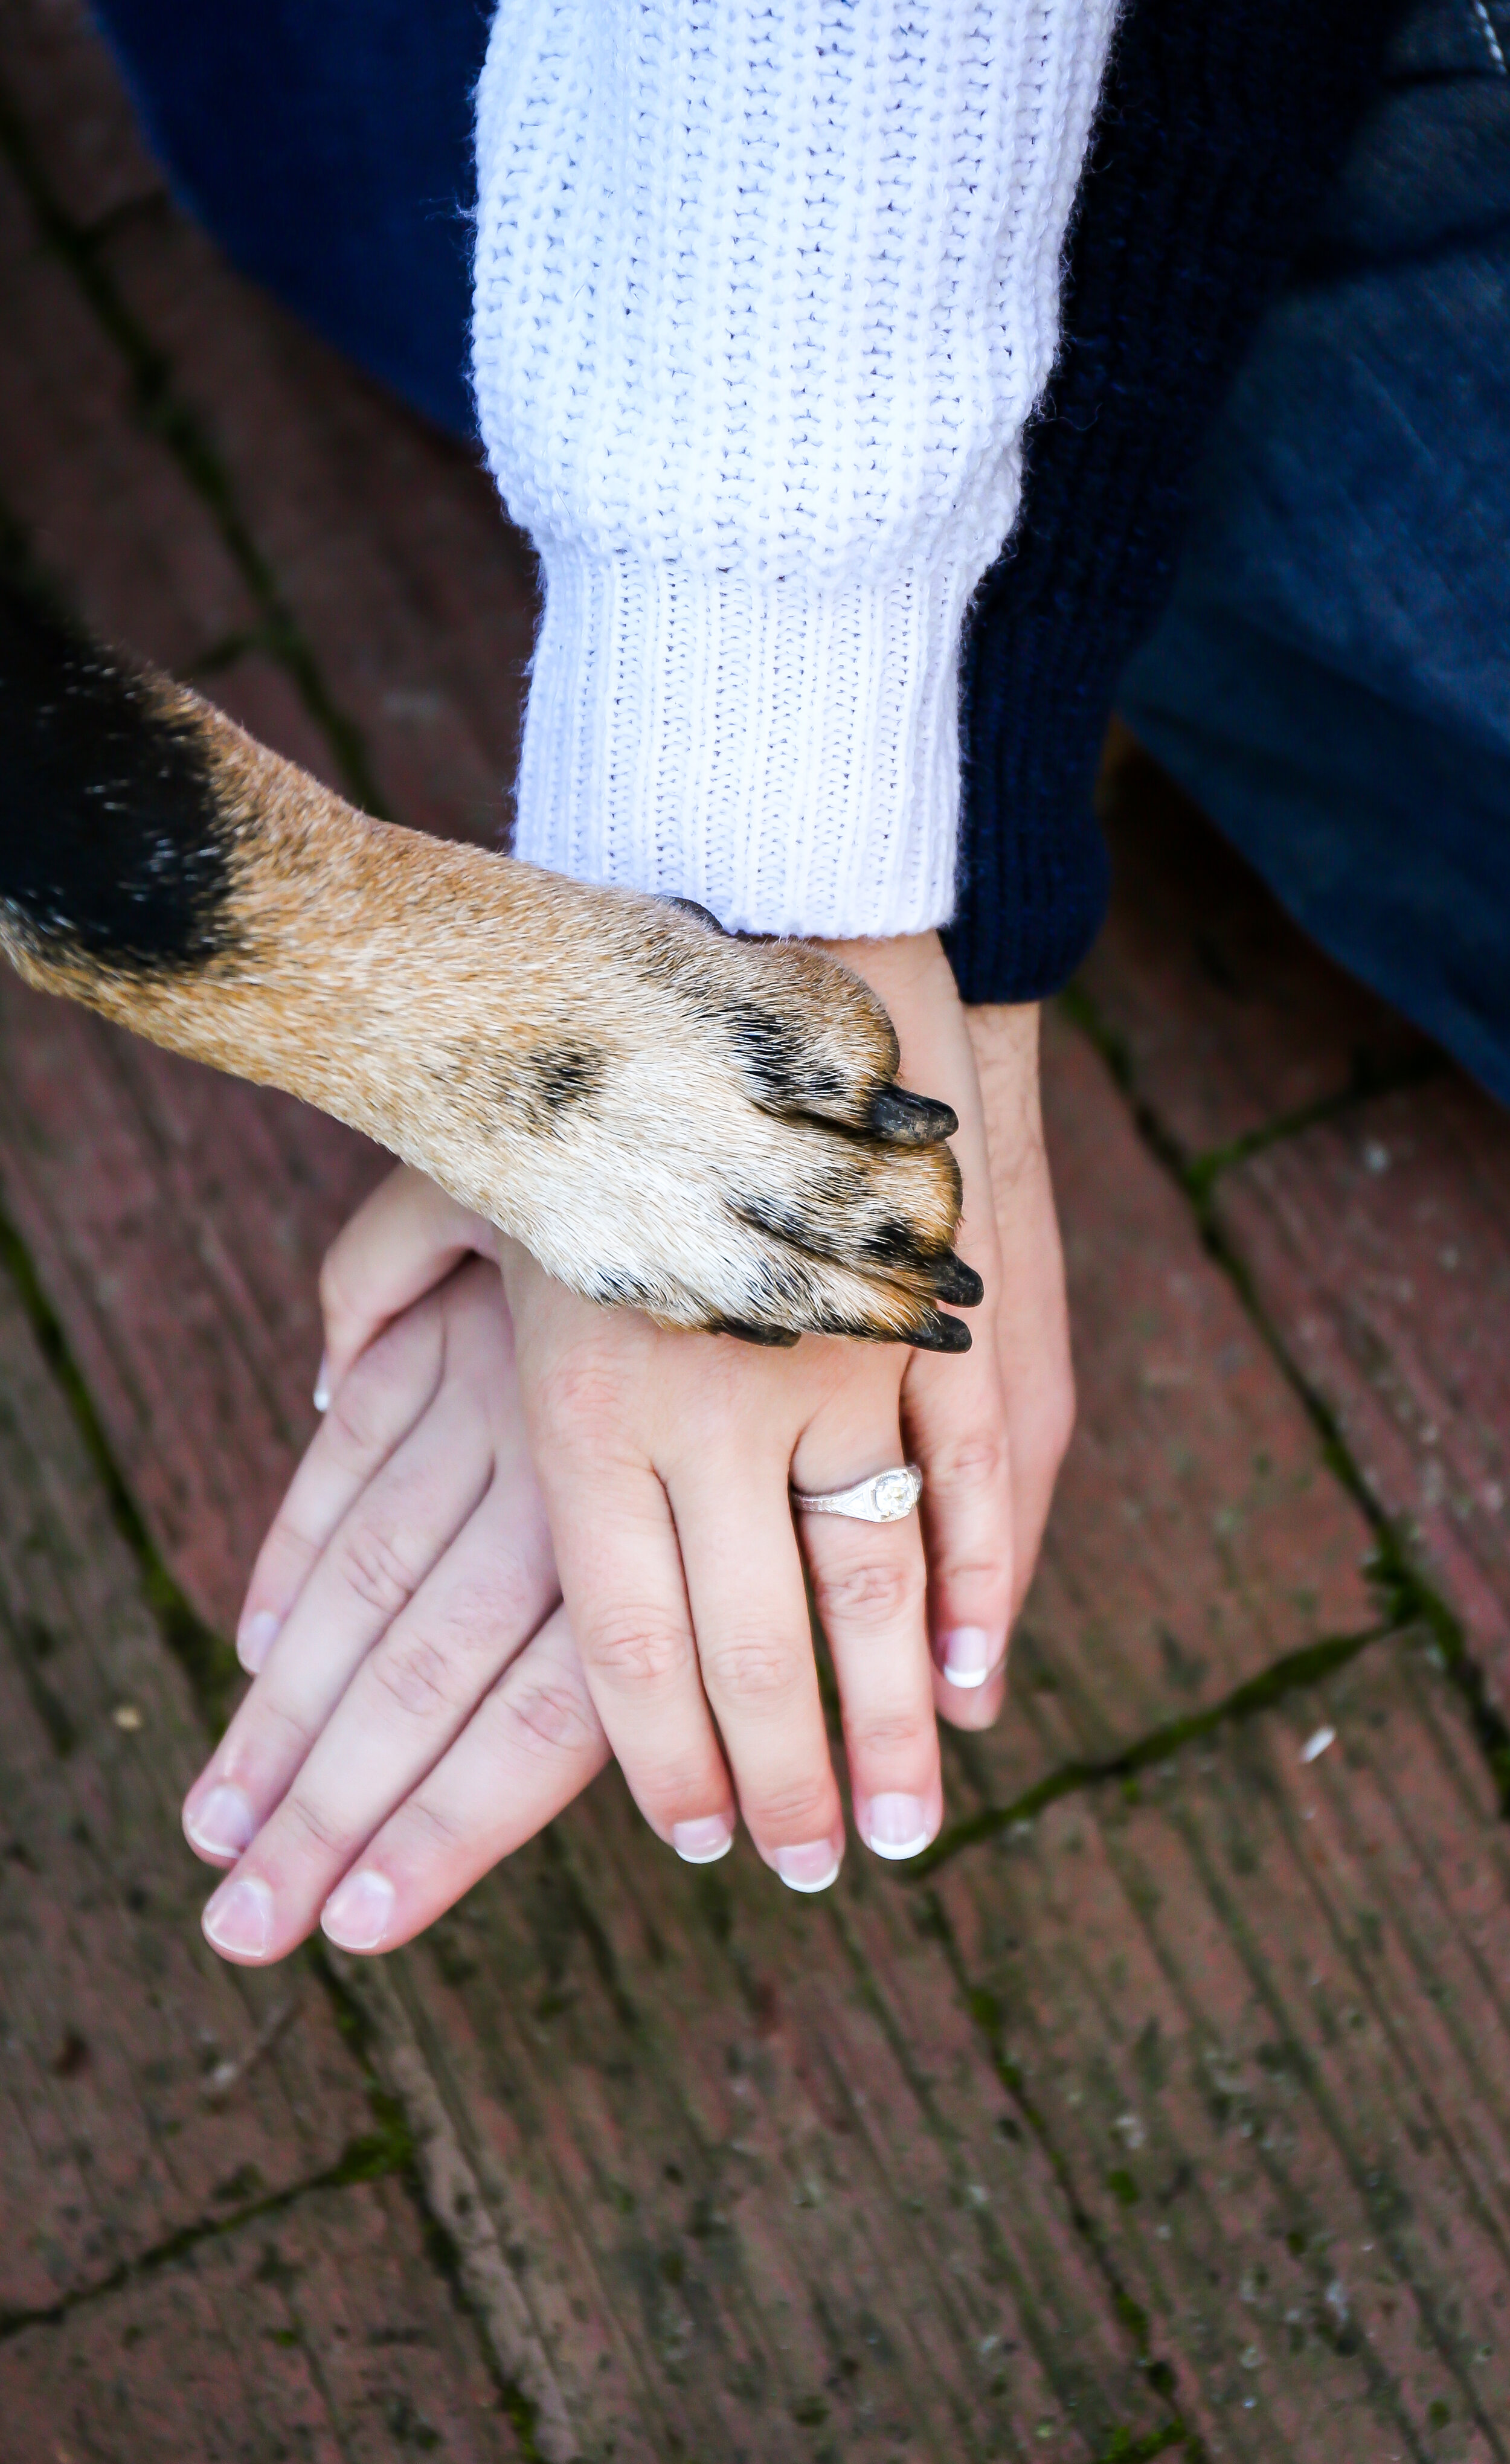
x,y
888,1497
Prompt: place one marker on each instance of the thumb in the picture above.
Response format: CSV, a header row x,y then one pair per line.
x,y
401,1242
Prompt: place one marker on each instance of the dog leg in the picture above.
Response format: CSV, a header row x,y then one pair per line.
x,y
704,1128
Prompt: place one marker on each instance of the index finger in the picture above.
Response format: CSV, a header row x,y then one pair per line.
x,y
385,1397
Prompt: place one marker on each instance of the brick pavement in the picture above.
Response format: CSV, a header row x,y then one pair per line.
x,y
1165,2110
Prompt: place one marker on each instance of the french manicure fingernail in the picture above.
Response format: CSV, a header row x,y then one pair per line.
x,y
812,1867
704,1841
225,1824
359,1911
899,1825
970,1654
256,1639
239,1917
322,1386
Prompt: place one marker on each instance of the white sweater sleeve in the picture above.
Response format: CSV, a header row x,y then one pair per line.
x,y
765,292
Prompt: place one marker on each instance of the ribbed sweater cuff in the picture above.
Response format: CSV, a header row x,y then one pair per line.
x,y
784,752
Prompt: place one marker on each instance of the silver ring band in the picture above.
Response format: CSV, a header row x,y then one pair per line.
x,y
889,1497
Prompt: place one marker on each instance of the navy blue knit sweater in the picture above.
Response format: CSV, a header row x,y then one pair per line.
x,y
1221,122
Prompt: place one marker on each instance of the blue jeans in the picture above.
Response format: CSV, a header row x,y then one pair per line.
x,y
1331,681
327,144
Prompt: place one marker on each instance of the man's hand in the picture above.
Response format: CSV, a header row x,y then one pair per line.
x,y
419,1711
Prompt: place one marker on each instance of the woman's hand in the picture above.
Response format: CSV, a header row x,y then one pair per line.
x,y
665,1460
420,1709
423,1410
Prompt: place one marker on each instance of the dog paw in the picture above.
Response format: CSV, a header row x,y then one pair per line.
x,y
718,1140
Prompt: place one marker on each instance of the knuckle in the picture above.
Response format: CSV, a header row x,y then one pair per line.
x,y
884,1737
974,1459
354,1420
983,1578
549,1715
415,1675
512,1599
881,1592
477,1613
434,1834
314,1824
641,1648
579,1398
753,1668
283,1731
795,1808
371,1566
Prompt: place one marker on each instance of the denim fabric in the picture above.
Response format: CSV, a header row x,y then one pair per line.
x,y
327,144
1331,680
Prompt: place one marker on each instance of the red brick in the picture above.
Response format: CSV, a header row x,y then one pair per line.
x,y
69,95
1380,1245
320,2332
735,2147
1268,2001
115,2010
1196,1535
387,541
1231,1017
178,1219
107,512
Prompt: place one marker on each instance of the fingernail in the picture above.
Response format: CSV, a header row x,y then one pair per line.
x,y
704,1841
239,1917
899,1825
812,1867
322,1386
357,1914
256,1639
970,1654
224,1824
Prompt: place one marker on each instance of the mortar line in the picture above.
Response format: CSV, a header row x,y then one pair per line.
x,y
365,2159
1412,1598
1129,2313
1366,1084
211,1669
1293,1673
186,438
205,1657
1159,2374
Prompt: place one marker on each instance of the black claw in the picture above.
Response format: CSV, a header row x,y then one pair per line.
x,y
938,1333
956,1283
911,1120
774,1337
690,907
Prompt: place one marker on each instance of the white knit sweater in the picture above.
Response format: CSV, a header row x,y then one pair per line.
x,y
766,290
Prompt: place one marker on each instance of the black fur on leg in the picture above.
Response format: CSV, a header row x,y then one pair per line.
x,y
111,844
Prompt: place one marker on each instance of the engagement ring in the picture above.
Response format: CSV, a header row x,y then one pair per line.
x,y
889,1497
